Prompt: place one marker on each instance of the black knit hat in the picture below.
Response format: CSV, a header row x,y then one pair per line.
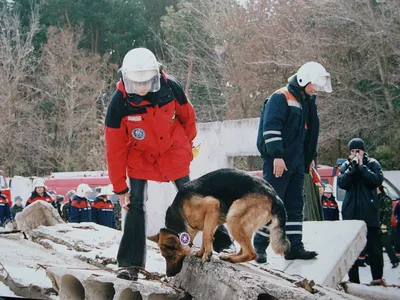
x,y
357,143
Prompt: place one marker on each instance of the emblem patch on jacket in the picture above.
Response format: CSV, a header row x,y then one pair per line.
x,y
138,133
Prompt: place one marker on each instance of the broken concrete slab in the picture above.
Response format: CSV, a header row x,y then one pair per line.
x,y
92,243
36,214
19,267
372,292
32,271
81,237
338,244
98,245
102,285
220,280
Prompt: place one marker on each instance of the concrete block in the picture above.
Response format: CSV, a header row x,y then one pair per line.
x,y
220,280
37,214
66,269
338,244
74,284
372,292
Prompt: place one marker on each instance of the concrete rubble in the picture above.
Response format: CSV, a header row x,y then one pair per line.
x,y
77,261
372,292
32,271
36,214
334,258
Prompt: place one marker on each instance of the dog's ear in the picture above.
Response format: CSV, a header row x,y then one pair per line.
x,y
154,238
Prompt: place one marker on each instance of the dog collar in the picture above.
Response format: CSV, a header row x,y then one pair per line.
x,y
184,237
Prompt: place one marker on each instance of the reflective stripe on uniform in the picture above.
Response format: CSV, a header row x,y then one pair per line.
x,y
294,223
273,139
262,233
276,132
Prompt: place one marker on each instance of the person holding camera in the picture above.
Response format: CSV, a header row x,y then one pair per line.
x,y
360,176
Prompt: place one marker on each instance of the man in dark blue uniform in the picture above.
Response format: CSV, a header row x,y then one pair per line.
x,y
287,140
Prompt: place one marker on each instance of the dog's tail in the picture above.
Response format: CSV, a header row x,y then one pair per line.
x,y
278,239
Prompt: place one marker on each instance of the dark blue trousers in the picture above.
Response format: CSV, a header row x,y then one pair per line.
x,y
289,188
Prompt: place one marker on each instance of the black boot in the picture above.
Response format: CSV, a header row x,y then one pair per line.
x,y
129,274
300,253
222,241
261,257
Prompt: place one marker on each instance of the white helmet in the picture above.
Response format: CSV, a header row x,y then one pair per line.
x,y
314,73
39,182
82,189
140,66
106,191
328,189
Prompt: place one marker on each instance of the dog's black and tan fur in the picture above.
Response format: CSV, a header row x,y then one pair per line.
x,y
244,202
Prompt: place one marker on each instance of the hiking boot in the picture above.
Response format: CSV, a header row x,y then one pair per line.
x,y
300,254
395,265
378,282
261,257
129,274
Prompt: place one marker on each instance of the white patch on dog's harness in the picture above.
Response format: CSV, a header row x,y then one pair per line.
x,y
184,238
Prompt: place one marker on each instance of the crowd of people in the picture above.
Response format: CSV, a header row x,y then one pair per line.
x,y
78,207
149,131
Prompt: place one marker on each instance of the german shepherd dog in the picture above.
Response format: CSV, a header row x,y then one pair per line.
x,y
244,202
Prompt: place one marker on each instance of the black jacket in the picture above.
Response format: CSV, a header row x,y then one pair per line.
x,y
289,129
361,199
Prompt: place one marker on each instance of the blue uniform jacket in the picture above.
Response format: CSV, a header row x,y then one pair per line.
x,y
289,128
79,210
103,213
330,208
5,211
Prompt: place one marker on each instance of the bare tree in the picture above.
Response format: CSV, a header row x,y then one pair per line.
x,y
17,65
73,82
360,41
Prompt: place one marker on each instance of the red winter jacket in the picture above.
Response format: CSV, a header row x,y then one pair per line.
x,y
36,197
149,137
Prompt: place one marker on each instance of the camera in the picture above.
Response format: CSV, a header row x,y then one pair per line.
x,y
355,161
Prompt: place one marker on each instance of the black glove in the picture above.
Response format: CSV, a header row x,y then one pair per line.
x,y
351,170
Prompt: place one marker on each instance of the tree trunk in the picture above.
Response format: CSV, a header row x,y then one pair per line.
x,y
92,38
190,69
96,49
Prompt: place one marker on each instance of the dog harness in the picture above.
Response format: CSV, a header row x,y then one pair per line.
x,y
184,237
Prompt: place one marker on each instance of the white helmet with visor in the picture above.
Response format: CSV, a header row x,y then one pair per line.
x,y
140,70
314,73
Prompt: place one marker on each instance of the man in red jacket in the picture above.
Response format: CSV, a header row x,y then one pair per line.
x,y
149,132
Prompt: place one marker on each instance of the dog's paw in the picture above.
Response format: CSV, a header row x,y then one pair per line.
x,y
199,253
206,256
223,256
